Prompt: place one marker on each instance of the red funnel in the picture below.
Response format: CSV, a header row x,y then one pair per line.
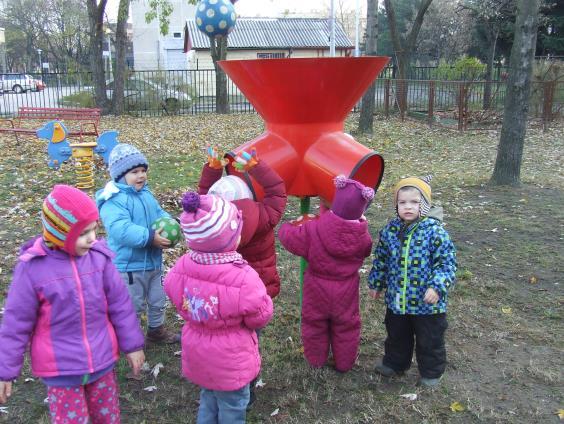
x,y
304,103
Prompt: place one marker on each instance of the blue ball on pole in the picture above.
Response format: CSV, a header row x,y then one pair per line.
x,y
215,18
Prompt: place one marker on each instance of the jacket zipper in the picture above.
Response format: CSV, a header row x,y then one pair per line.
x,y
82,315
406,258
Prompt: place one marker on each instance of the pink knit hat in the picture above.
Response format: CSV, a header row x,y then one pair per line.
x,y
210,224
351,198
65,213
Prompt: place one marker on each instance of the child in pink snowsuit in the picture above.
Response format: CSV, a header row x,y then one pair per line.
x,y
335,245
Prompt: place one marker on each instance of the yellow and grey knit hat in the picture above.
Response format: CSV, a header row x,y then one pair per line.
x,y
423,185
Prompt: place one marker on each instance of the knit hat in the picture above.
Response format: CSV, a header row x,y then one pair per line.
x,y
210,224
423,185
231,188
65,213
123,158
351,198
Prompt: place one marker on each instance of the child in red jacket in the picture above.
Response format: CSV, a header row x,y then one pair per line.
x,y
334,245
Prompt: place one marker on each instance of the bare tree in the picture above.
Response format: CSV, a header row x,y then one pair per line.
x,y
121,47
96,28
366,119
507,168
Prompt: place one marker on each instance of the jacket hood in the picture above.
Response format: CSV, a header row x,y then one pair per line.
x,y
340,236
112,188
436,212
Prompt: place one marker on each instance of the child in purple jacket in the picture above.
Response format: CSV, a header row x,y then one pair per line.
x,y
335,246
68,299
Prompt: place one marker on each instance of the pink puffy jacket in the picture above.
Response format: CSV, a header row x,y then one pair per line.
x,y
222,304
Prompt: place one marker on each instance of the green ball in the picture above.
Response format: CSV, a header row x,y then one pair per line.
x,y
170,229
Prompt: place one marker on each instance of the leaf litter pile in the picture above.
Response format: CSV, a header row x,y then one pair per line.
x,y
504,342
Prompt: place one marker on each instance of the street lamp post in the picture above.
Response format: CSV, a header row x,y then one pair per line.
x,y
40,63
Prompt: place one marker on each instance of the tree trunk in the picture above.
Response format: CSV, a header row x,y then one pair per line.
x,y
403,47
489,72
96,21
507,168
121,48
218,47
366,119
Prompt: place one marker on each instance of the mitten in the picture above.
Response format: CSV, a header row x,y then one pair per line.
x,y
245,161
214,161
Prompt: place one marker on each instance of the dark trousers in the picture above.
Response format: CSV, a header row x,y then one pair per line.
x,y
425,333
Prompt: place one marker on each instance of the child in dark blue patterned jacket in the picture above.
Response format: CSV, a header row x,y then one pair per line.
x,y
415,262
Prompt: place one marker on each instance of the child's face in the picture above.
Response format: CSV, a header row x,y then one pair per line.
x,y
137,177
409,201
86,239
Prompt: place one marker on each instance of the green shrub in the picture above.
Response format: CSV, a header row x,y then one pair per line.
x,y
466,68
79,99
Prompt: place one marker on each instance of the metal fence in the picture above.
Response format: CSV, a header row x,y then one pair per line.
x,y
458,104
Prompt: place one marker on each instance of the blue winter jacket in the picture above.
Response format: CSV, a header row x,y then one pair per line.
x,y
406,269
127,215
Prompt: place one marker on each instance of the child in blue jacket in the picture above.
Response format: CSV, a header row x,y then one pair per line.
x,y
415,262
128,209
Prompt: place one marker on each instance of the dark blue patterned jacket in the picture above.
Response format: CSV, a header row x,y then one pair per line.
x,y
426,258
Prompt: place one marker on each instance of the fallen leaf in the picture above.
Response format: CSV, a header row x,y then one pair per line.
x,y
150,388
533,280
259,383
456,407
409,396
178,353
560,414
157,369
29,379
506,309
4,409
275,412
145,367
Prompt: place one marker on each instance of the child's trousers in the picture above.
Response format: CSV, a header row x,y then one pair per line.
x,y
98,401
220,407
425,333
147,293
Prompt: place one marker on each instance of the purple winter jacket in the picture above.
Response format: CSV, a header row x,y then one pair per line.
x,y
75,309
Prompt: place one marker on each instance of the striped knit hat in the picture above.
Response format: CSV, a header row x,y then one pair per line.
x,y
123,158
423,185
210,224
65,213
231,188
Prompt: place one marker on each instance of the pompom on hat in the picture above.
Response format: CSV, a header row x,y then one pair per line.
x,y
351,198
422,184
210,224
231,187
66,211
123,158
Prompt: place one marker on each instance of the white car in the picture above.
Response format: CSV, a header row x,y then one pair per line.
x,y
18,83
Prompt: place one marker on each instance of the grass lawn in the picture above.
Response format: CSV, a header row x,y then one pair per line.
x,y
504,343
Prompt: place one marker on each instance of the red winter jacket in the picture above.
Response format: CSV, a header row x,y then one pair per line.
x,y
259,221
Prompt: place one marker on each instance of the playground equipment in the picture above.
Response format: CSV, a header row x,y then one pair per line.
x,y
215,18
304,103
60,150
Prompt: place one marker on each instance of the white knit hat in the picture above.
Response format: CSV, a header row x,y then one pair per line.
x,y
231,188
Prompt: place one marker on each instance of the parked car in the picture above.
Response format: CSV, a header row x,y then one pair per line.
x,y
141,94
18,83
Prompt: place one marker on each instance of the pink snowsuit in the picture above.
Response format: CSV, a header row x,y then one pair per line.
x,y
335,249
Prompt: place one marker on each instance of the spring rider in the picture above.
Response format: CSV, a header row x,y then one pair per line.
x,y
60,150
304,103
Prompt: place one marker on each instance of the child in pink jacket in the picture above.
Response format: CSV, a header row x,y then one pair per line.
x,y
223,300
334,245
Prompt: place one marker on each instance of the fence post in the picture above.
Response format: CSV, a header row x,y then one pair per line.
x,y
387,97
430,111
548,98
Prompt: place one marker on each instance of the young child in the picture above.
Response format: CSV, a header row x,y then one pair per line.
x,y
415,262
223,301
259,218
335,246
128,209
67,297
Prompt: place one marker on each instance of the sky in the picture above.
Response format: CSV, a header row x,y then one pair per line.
x,y
269,8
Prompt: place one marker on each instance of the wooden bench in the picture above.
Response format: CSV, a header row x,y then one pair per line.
x,y
88,120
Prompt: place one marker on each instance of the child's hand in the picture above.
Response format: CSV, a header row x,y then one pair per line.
x,y
431,296
214,161
5,391
374,294
135,361
245,161
298,222
159,241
